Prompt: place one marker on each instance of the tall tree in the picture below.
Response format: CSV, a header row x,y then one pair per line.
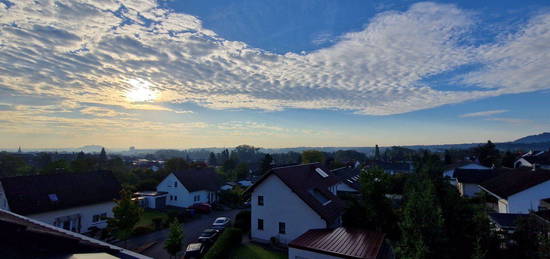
x,y
212,161
242,171
376,153
267,163
126,215
509,159
102,155
312,156
374,184
175,237
488,155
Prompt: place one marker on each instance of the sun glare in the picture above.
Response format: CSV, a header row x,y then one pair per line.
x,y
140,91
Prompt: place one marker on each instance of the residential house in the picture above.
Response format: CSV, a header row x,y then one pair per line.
x,y
288,201
468,180
506,222
348,179
24,237
534,159
393,167
79,202
191,186
340,243
519,190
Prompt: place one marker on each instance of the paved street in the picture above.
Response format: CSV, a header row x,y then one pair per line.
x,y
192,230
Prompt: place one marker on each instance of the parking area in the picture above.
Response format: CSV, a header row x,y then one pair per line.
x,y
192,229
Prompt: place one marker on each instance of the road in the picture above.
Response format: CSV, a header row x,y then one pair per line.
x,y
191,230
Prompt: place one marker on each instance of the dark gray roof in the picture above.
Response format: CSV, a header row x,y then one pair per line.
x,y
303,180
23,237
506,220
348,175
197,179
512,181
541,159
41,193
475,176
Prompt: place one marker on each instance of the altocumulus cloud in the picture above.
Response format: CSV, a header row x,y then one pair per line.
x,y
86,51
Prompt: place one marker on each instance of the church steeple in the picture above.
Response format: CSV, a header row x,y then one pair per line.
x,y
19,150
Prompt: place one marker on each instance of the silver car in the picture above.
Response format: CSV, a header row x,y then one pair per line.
x,y
221,223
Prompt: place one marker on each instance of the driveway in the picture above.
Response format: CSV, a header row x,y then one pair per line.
x,y
191,229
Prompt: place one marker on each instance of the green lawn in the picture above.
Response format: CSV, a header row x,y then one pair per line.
x,y
147,218
257,252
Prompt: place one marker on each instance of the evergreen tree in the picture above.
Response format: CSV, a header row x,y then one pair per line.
x,y
509,159
102,155
212,161
175,237
378,211
267,163
488,155
126,215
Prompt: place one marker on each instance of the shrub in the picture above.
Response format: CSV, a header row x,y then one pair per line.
x,y
242,220
141,230
230,238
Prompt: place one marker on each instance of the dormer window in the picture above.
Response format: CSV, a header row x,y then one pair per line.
x,y
175,183
321,172
320,197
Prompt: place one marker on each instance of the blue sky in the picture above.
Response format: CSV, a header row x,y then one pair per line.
x,y
180,74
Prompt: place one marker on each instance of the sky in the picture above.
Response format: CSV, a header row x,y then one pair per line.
x,y
288,73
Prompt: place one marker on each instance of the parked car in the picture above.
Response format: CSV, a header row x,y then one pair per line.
x,y
209,235
202,207
194,250
221,223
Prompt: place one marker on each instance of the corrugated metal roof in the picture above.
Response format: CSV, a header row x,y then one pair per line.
x,y
342,242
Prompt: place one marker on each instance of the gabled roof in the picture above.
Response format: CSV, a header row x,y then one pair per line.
x,y
307,183
23,237
540,158
475,176
197,179
506,220
348,175
341,242
42,193
512,181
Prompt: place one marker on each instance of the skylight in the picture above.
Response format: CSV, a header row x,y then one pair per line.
x,y
53,197
321,172
320,197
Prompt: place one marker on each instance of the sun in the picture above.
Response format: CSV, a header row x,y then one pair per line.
x,y
140,91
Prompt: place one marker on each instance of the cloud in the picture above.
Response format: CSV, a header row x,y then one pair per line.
x,y
482,114
514,121
87,51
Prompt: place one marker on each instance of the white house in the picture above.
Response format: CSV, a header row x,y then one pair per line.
x,y
519,190
469,177
288,201
76,202
534,159
191,186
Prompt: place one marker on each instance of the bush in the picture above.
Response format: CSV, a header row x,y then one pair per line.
x,y
141,230
243,220
222,248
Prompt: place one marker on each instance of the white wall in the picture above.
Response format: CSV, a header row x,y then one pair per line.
x,y
281,205
502,206
3,200
295,253
528,199
86,215
184,197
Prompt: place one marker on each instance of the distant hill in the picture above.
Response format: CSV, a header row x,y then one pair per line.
x,y
543,137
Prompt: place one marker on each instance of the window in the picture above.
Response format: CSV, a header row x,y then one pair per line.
x,y
175,197
321,172
99,217
260,224
103,216
282,228
260,200
176,184
197,197
95,218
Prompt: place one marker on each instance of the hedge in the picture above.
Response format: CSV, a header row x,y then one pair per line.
x,y
242,220
222,248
